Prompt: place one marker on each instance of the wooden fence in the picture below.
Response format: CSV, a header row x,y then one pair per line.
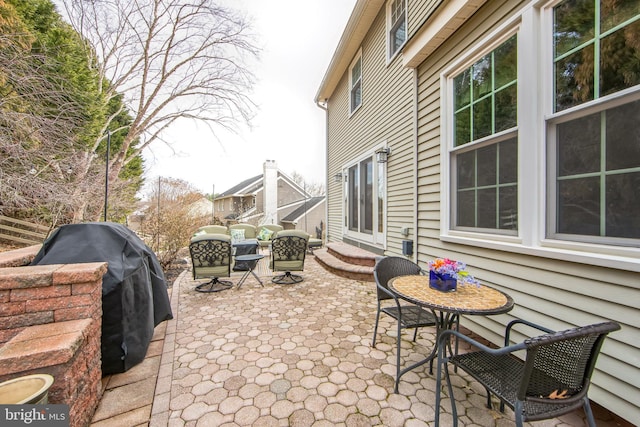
x,y
22,232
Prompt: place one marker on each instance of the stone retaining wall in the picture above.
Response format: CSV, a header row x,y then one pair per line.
x,y
50,322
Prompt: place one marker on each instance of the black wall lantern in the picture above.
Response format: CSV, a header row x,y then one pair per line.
x,y
382,155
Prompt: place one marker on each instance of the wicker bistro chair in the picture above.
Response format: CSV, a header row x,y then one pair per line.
x,y
211,258
288,249
552,380
408,316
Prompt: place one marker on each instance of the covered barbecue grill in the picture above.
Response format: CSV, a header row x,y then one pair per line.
x,y
134,292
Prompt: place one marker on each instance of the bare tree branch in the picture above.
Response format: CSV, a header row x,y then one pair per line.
x,y
170,60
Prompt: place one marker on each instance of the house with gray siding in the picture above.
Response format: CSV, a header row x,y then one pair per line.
x,y
505,134
269,198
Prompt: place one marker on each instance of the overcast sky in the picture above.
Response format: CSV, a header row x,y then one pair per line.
x,y
298,38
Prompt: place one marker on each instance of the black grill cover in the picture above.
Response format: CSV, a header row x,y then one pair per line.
x,y
134,292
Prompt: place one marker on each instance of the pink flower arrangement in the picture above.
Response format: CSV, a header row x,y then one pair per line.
x,y
454,269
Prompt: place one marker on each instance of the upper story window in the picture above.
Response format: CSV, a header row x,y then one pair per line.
x,y
355,84
484,156
397,25
593,130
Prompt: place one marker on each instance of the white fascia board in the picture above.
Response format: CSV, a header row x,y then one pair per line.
x,y
446,19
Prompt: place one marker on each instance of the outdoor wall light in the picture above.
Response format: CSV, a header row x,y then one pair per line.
x,y
382,155
337,177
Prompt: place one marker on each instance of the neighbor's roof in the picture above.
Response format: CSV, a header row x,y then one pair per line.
x,y
237,189
363,15
304,207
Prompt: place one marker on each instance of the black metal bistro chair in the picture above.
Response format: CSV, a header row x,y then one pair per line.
x,y
552,380
408,316
211,258
288,250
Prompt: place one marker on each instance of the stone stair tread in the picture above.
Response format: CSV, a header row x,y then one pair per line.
x,y
350,251
327,258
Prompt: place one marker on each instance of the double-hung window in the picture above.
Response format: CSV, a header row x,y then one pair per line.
x,y
593,126
397,25
355,84
484,153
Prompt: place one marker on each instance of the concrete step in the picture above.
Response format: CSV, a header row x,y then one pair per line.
x,y
347,261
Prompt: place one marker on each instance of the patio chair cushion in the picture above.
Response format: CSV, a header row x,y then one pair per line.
x,y
211,229
237,235
275,228
265,234
250,231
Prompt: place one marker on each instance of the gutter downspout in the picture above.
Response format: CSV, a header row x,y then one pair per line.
x,y
325,107
415,165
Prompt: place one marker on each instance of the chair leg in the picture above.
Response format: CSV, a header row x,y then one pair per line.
x,y
489,405
438,391
398,339
439,373
588,412
214,285
519,410
287,278
375,328
415,334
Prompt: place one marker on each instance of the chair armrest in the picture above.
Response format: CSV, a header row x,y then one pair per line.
x,y
444,335
523,322
389,292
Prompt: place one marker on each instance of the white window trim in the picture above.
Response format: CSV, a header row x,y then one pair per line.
x,y
530,23
375,238
353,63
391,56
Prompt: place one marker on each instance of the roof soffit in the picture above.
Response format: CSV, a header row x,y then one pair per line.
x,y
446,19
363,15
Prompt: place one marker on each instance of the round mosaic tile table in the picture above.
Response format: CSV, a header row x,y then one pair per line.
x,y
448,306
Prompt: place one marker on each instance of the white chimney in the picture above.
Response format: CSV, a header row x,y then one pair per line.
x,y
270,192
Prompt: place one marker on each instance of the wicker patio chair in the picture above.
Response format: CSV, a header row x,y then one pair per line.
x,y
211,258
407,316
288,249
552,380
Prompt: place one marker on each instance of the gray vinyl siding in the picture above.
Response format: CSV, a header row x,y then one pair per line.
x,y
386,115
418,12
558,294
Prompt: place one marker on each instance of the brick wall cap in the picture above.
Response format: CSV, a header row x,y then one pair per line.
x,y
79,273
19,257
29,276
52,329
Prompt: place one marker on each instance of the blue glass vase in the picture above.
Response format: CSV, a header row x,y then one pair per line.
x,y
442,282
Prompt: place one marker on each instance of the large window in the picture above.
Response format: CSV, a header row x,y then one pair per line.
x,y
397,25
365,200
485,144
355,84
594,128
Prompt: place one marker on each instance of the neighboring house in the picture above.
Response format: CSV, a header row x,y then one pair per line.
x,y
309,216
269,199
202,207
512,131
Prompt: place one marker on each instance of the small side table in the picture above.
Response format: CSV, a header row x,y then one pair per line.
x,y
250,261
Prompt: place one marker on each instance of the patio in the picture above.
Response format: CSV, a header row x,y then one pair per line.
x,y
287,355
